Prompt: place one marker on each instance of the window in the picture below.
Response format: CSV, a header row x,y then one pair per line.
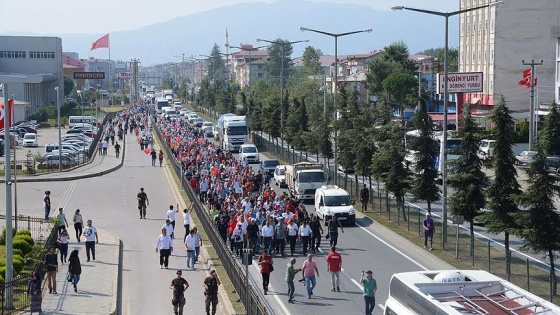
x,y
468,27
492,25
479,53
41,55
492,55
486,24
12,54
491,86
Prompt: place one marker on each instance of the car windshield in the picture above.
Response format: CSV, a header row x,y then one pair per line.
x,y
336,201
271,163
311,177
249,150
282,171
29,137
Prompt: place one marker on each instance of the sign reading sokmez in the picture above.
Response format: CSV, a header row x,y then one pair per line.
x,y
89,75
460,82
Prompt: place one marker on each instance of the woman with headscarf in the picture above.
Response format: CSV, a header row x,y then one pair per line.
x,y
35,294
75,268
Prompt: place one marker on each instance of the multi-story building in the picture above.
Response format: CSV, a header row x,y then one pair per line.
x,y
496,40
32,68
248,65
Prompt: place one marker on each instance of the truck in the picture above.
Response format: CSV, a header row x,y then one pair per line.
x,y
160,104
304,178
460,292
331,200
233,133
168,95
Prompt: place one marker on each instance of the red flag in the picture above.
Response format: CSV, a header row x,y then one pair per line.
x,y
526,78
535,82
103,42
3,113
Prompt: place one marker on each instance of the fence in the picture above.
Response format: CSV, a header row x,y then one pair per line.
x,y
462,250
248,295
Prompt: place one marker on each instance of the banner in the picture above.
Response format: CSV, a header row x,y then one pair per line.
x,y
3,112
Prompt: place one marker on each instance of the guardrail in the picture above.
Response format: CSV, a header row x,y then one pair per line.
x,y
237,276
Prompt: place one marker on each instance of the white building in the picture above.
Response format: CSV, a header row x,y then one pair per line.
x,y
32,67
496,40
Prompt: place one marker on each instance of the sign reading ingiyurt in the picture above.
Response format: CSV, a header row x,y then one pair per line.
x,y
460,82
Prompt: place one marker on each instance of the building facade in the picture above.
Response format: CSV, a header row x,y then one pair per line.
x,y
32,68
496,41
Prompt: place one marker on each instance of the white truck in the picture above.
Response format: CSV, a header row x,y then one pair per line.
x,y
331,200
304,178
460,292
234,133
168,95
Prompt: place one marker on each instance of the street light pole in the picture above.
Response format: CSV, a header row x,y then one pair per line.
x,y
8,180
446,15
282,44
15,166
336,36
57,89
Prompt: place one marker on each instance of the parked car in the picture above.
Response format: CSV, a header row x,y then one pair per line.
x,y
52,159
30,140
268,166
552,164
525,157
486,149
280,175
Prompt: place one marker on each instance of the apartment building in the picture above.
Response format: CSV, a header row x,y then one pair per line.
x,y
496,40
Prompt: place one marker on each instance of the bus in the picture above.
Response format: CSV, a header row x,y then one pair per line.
x,y
453,146
460,292
73,120
161,103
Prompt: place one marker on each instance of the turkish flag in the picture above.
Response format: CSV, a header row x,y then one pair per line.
x,y
3,113
103,42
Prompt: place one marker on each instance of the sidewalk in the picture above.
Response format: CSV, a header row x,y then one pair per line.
x,y
98,286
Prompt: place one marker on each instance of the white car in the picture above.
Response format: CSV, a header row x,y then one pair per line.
x,y
184,112
486,149
30,140
280,175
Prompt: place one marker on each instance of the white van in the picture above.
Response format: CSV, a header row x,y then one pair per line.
x,y
332,200
249,152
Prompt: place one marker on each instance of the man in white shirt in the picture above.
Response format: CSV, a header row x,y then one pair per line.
x,y
171,216
292,236
168,227
268,235
90,232
164,245
305,234
190,243
203,189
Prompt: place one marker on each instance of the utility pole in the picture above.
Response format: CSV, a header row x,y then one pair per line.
x,y
532,122
134,62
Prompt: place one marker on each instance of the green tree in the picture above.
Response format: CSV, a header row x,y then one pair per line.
x,y
291,122
439,53
467,177
401,88
216,64
550,134
540,224
505,188
345,129
425,178
279,57
311,63
68,85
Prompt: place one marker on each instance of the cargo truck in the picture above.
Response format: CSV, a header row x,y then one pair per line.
x,y
304,178
233,133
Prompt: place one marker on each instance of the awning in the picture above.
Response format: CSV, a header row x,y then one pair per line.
x,y
439,116
26,78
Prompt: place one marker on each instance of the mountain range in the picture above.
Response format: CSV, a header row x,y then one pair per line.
x,y
195,34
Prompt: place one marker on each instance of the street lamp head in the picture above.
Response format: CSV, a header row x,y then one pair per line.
x,y
56,88
303,29
397,7
369,30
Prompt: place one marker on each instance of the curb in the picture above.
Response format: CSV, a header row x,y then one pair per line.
x,y
117,282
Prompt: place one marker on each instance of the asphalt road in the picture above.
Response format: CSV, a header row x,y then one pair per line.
x,y
110,201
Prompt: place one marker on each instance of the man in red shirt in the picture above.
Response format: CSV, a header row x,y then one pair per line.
x,y
334,266
265,261
194,184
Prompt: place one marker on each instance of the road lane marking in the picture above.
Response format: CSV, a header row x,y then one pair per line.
x,y
392,247
276,296
357,284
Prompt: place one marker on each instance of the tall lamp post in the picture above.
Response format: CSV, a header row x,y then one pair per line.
x,y
15,166
8,180
282,45
82,106
336,36
57,89
446,15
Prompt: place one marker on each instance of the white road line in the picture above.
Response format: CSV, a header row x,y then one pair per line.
x,y
392,247
276,296
357,284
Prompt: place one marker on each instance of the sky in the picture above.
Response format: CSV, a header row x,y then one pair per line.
x,y
103,16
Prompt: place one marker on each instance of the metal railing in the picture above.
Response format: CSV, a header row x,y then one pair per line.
x,y
233,269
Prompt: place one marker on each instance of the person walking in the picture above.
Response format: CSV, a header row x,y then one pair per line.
x,y
428,227
364,197
51,261
35,293
171,216
164,245
63,238
268,236
237,239
334,224
153,154
47,204
309,270
187,219
168,227
100,148
90,232
280,232
143,203
334,266
370,286
211,284
160,157
78,224
292,236
117,149
198,239
290,275
305,235
317,232
105,145
266,263
75,268
179,285
62,223
190,243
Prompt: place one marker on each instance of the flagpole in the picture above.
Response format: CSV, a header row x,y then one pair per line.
x,y
110,72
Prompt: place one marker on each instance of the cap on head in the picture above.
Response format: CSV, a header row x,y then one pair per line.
x,y
213,271
333,249
179,272
369,272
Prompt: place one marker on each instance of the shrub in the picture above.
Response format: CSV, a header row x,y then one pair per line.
x,y
3,271
26,238
23,232
18,252
3,262
18,257
3,238
22,245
